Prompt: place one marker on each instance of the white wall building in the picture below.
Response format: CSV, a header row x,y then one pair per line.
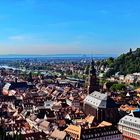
x,y
129,125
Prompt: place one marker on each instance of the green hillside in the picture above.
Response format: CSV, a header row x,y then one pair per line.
x,y
126,63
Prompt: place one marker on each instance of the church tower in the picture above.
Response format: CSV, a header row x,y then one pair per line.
x,y
93,82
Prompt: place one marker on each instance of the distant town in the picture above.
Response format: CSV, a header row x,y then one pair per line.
x,y
70,99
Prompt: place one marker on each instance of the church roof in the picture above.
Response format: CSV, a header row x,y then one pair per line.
x,y
99,95
100,100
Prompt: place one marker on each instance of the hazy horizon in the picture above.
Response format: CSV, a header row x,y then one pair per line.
x,y
59,55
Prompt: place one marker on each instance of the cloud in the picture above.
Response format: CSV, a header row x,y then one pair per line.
x,y
18,37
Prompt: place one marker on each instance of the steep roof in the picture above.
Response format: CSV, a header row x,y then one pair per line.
x,y
58,134
100,100
44,124
89,118
99,95
73,129
104,123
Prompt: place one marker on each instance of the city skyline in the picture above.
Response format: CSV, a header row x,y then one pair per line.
x,y
69,27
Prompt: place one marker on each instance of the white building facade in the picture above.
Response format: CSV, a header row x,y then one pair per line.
x,y
129,126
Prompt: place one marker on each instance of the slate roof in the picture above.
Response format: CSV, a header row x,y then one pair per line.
x,y
100,100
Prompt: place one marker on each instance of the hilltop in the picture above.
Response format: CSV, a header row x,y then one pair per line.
x,y
126,63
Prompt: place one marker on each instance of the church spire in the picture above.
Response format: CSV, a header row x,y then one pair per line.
x,y
92,68
93,84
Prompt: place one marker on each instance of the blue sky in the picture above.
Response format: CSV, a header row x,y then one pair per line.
x,y
69,26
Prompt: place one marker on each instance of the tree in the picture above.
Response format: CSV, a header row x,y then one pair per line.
x,y
109,84
118,87
110,72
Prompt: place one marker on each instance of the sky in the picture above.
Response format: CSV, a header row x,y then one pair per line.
x,y
69,26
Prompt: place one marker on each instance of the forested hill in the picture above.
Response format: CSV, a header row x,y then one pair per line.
x,y
126,63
